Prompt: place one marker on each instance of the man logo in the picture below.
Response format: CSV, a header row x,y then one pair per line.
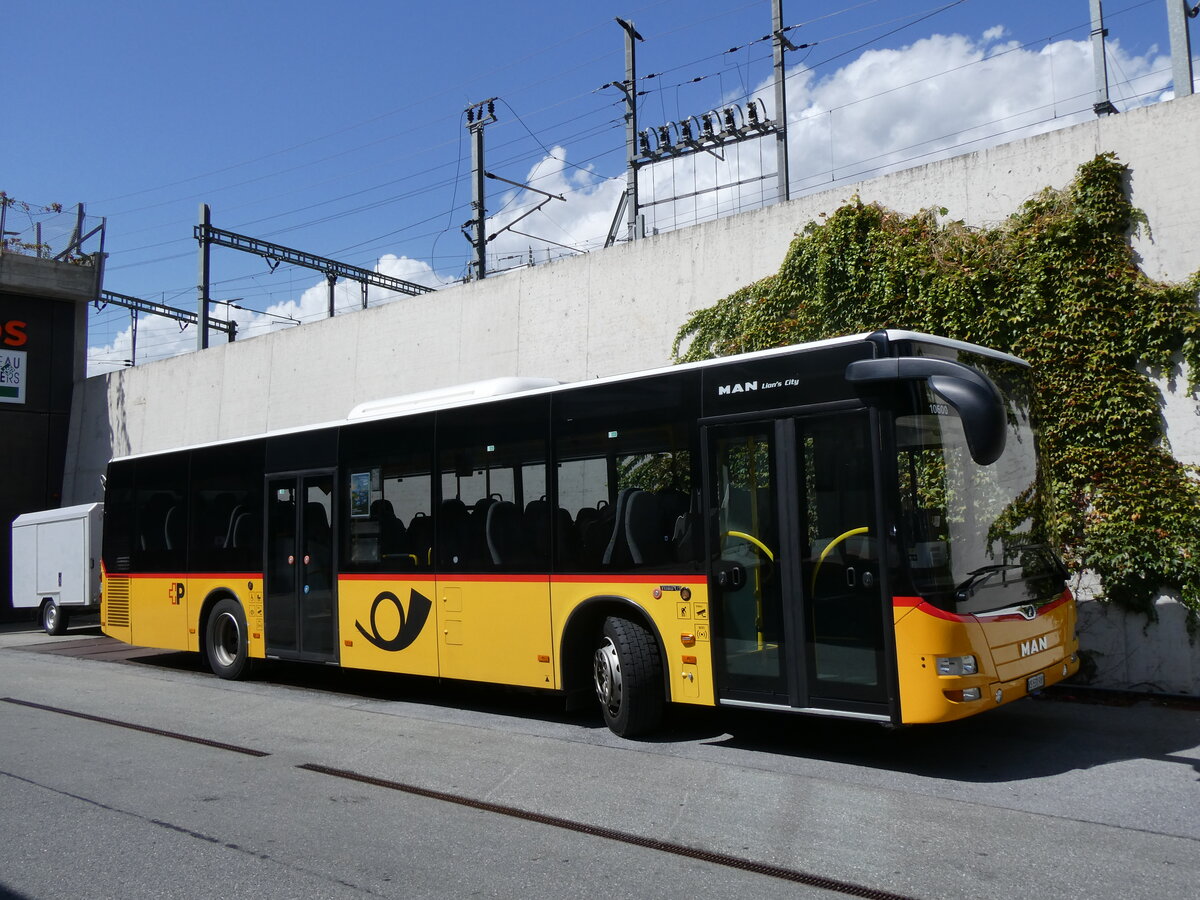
x,y
410,625
742,388
1037,645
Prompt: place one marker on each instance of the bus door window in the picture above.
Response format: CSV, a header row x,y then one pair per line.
x,y
300,598
317,593
841,569
280,570
746,563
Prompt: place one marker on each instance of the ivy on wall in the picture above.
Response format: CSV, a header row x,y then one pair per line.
x,y
1057,284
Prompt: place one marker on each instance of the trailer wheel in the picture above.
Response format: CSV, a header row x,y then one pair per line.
x,y
225,641
54,620
628,676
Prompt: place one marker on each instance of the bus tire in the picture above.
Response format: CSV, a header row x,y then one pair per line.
x,y
54,620
627,667
226,642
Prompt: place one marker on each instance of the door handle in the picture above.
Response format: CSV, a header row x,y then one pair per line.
x,y
732,578
851,579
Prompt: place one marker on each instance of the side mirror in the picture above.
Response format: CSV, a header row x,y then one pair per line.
x,y
972,394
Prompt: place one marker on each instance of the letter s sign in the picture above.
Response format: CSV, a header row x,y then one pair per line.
x,y
13,333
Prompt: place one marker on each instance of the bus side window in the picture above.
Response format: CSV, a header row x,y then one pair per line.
x,y
160,502
226,508
494,516
387,495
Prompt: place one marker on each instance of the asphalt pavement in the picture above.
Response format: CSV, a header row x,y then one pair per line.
x,y
134,773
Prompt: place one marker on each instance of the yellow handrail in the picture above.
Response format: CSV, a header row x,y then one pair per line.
x,y
824,553
753,540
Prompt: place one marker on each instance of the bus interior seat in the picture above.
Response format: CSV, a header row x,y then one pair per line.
x,y
218,518
244,530
420,537
152,533
537,528
453,533
506,539
595,532
617,551
171,528
235,514
392,533
567,538
643,529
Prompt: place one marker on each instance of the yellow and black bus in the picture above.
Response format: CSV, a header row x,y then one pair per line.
x,y
846,528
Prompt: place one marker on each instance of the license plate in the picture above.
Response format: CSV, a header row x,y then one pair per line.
x,y
1036,682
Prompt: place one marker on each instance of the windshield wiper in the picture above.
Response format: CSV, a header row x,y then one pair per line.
x,y
977,577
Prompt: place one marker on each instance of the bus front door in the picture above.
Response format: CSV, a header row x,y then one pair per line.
x,y
300,596
746,580
798,611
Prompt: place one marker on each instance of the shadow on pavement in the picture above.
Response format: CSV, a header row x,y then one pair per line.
x,y
1057,732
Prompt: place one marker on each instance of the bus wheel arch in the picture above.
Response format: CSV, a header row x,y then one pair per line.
x,y
226,638
611,649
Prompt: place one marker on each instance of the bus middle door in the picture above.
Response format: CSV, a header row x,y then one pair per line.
x,y
300,590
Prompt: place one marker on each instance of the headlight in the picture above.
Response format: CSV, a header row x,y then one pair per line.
x,y
956,665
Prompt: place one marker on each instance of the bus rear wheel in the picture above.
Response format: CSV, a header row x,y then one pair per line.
x,y
627,670
54,620
225,641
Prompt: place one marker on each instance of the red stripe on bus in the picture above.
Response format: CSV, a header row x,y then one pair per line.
x,y
386,576
657,580
183,576
930,609
636,579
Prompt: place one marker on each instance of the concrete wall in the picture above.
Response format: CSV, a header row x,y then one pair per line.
x,y
614,310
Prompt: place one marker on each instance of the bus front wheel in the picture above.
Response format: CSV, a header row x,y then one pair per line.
x,y
225,641
627,669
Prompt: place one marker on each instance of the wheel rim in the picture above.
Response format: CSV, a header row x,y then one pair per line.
x,y
608,676
227,639
49,617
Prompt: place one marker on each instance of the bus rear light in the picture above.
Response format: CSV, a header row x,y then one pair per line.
x,y
956,665
966,695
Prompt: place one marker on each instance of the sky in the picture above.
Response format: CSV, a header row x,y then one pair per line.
x,y
340,129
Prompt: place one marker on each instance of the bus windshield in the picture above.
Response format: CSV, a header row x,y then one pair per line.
x,y
974,535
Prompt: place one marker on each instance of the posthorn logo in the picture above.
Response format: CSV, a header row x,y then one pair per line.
x,y
410,623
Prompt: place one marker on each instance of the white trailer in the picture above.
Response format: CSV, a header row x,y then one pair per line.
x,y
56,563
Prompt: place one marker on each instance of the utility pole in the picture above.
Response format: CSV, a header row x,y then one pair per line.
x,y
331,280
1102,105
629,88
202,287
779,44
1178,12
479,115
